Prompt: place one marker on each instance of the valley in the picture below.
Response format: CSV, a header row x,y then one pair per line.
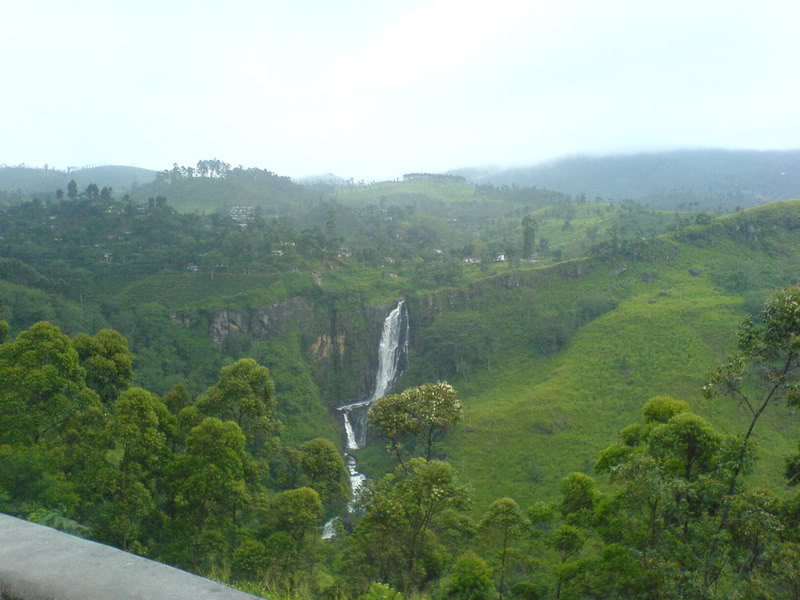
x,y
555,318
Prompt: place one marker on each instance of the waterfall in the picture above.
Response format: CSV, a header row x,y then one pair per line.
x,y
392,356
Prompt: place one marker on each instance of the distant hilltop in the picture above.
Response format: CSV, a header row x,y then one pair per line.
x,y
440,177
714,178
329,178
29,180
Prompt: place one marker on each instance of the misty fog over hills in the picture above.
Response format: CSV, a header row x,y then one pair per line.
x,y
715,178
30,180
712,179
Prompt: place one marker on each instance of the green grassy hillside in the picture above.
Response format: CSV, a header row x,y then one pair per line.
x,y
551,360
536,415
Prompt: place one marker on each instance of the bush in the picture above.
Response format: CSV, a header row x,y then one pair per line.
x,y
469,579
591,307
381,591
250,560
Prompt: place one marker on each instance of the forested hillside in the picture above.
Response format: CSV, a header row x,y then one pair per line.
x,y
554,318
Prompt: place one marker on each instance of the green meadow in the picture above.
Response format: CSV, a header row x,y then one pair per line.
x,y
530,419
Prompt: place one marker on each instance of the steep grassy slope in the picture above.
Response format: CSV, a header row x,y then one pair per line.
x,y
536,416
407,191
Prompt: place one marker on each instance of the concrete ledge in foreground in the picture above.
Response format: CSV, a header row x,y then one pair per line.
x,y
39,563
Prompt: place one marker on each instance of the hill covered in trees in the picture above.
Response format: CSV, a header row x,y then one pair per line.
x,y
206,484
554,318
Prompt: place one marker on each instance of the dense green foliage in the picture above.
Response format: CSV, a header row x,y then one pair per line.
x,y
88,259
552,362
226,465
214,495
186,482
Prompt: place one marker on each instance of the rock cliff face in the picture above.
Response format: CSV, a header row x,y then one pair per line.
x,y
338,342
340,338
260,323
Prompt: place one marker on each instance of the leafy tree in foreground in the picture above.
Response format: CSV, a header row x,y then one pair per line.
x,y
250,560
674,528
764,370
210,486
291,533
503,524
137,427
107,361
427,412
245,395
42,385
469,579
325,469
401,517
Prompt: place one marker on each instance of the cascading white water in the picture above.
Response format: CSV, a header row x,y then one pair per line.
x,y
348,430
392,350
388,356
393,347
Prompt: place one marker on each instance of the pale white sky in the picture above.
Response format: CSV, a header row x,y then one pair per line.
x,y
373,89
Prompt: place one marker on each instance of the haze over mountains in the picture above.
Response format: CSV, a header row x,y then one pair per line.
x,y
721,178
31,180
713,179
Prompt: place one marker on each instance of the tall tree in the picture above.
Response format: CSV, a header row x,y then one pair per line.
x,y
107,361
325,469
426,411
245,394
503,524
529,228
210,485
764,370
294,514
42,384
401,513
138,427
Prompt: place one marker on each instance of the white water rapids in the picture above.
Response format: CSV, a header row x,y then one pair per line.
x,y
392,349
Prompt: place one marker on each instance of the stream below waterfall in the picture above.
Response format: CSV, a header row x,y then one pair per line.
x,y
392,355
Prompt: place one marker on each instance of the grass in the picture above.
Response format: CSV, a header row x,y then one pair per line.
x,y
395,191
532,419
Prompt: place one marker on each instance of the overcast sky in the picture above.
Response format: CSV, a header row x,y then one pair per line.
x,y
374,89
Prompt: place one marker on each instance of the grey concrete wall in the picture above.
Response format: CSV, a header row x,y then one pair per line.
x,y
39,563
